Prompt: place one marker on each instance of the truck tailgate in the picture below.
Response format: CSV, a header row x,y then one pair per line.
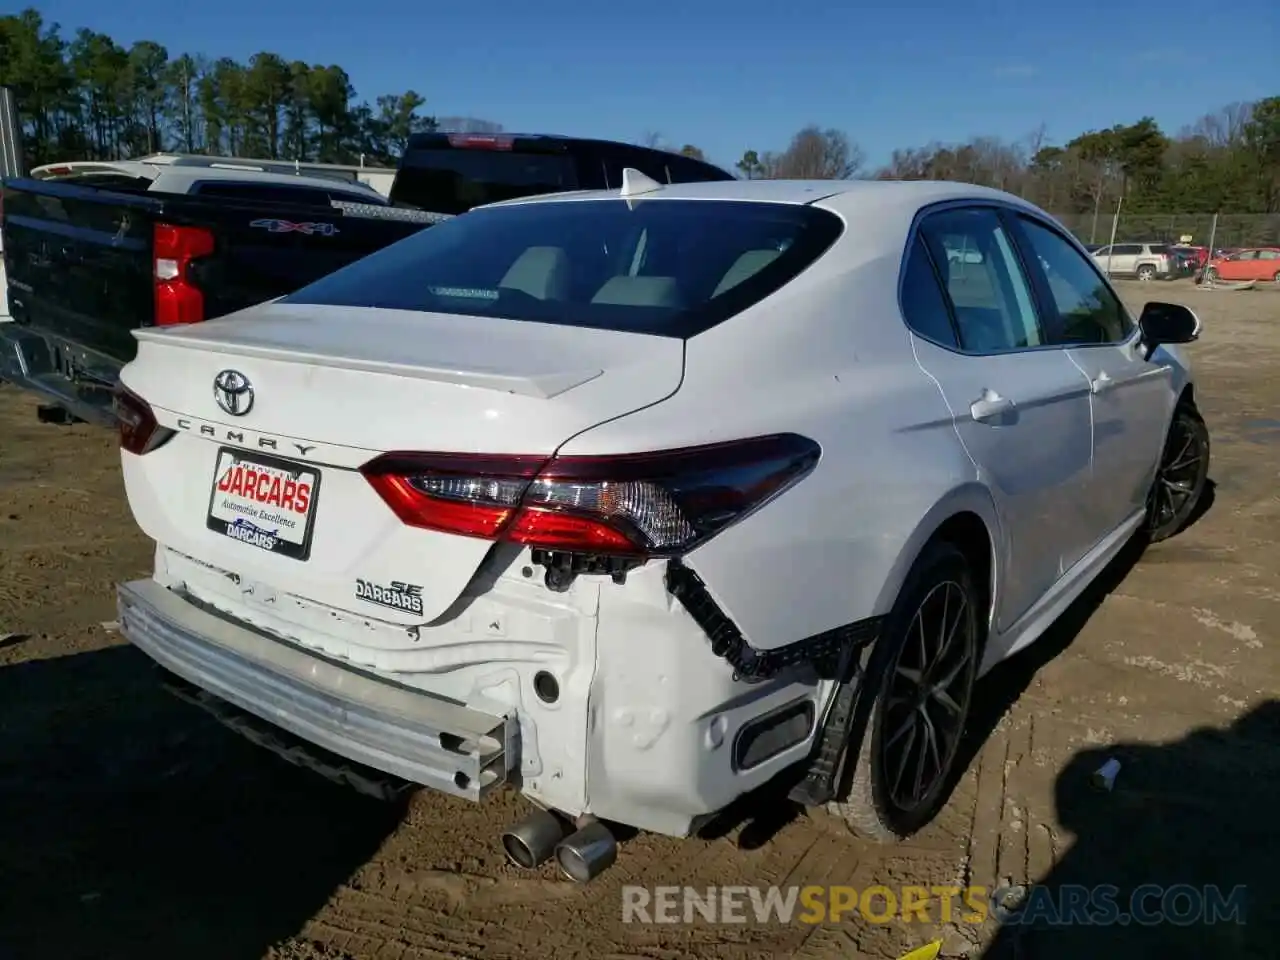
x,y
79,262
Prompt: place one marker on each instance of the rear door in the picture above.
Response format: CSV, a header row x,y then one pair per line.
x,y
1021,408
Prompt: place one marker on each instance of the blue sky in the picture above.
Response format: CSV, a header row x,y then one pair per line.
x,y
728,76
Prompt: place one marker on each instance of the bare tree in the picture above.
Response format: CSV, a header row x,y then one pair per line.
x,y
1225,128
651,139
816,154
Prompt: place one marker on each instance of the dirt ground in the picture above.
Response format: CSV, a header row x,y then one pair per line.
x,y
132,826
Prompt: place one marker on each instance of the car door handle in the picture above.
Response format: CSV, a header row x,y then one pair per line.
x,y
1101,383
990,406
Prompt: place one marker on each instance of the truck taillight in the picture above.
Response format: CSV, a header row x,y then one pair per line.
x,y
178,300
633,505
481,141
139,431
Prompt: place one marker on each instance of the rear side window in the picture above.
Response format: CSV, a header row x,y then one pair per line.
x,y
454,180
990,295
924,306
667,267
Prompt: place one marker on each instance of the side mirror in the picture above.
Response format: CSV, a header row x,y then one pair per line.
x,y
1163,323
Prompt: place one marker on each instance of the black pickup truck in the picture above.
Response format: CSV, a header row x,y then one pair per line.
x,y
87,265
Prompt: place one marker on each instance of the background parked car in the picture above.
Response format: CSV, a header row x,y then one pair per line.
x,y
1262,263
1198,255
1146,261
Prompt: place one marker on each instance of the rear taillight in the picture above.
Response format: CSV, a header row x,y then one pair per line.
x,y
633,505
481,141
139,431
178,300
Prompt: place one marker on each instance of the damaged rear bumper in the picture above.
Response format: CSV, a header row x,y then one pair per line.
x,y
405,733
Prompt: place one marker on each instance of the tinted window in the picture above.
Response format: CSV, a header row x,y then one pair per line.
x,y
669,267
1158,249
1127,249
923,305
118,182
1269,254
989,293
453,180
617,158
1246,255
1087,310
264,192
687,170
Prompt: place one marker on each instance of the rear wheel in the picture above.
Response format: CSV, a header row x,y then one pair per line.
x,y
1211,274
1276,278
921,673
1146,272
1181,477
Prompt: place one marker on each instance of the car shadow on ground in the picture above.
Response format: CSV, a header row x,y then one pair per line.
x,y
1182,846
759,817
133,826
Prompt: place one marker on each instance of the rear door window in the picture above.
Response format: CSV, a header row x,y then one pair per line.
x,y
453,180
665,267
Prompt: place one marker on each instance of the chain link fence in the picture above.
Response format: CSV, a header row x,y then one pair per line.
x,y
1225,229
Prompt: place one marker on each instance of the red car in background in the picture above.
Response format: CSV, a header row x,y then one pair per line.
x,y
1257,263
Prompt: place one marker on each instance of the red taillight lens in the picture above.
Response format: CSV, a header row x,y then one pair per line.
x,y
649,504
480,141
178,300
139,431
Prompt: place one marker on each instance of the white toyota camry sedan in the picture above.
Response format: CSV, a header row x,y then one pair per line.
x,y
638,500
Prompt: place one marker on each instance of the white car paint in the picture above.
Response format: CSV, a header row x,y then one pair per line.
x,y
642,730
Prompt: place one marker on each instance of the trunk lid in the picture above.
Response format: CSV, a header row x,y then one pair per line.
x,y
333,387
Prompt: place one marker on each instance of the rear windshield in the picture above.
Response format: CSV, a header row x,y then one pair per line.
x,y
453,180
666,267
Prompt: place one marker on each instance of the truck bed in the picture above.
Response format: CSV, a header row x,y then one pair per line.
x,y
81,272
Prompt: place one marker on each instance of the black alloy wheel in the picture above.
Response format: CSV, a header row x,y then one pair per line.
x,y
1181,477
923,673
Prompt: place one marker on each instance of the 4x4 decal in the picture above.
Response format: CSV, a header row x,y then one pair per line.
x,y
288,226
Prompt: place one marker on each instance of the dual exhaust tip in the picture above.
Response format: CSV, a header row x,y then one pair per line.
x,y
582,854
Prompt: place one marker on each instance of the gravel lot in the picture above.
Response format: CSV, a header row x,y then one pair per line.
x,y
134,827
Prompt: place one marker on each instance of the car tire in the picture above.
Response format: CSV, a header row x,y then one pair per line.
x,y
866,798
1276,278
1181,477
1211,274
1146,272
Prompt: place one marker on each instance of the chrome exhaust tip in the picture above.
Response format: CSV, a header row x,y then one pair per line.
x,y
587,852
532,841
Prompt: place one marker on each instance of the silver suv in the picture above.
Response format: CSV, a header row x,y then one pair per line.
x,y
1145,261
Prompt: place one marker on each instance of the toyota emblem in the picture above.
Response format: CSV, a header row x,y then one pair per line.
x,y
234,392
